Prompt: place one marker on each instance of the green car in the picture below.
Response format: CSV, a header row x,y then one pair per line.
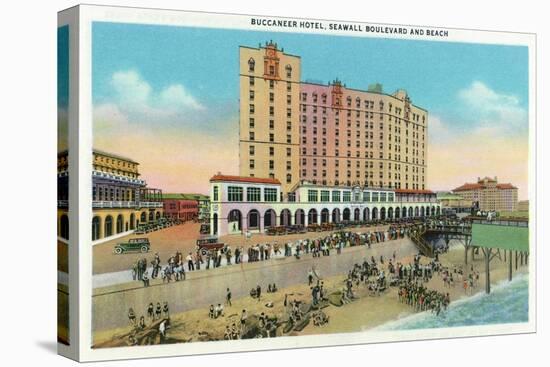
x,y
133,245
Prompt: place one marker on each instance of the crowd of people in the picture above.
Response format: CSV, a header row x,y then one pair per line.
x,y
457,276
421,298
152,314
177,265
377,274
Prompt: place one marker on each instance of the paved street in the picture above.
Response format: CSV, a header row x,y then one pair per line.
x,y
111,304
183,238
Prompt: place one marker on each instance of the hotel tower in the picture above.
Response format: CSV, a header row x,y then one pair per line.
x,y
326,134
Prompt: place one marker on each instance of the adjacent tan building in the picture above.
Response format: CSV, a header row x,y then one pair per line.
x,y
523,205
326,134
490,195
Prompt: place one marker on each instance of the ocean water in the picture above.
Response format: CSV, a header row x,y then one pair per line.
x,y
508,302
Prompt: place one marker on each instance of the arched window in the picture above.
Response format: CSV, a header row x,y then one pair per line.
x,y
95,228
132,221
108,226
64,227
119,223
251,64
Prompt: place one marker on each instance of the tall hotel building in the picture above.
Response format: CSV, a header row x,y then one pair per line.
x,y
325,134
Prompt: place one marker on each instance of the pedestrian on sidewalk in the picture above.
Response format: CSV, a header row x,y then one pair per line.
x,y
190,265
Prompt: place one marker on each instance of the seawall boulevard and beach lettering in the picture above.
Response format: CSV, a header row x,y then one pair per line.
x,y
347,27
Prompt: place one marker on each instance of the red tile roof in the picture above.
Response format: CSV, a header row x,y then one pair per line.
x,y
412,191
506,186
469,186
478,186
272,181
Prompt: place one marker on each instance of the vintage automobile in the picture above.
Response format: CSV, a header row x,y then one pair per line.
x,y
271,231
314,227
205,228
133,245
211,243
280,230
327,226
140,229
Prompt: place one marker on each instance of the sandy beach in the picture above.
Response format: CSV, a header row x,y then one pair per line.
x,y
364,313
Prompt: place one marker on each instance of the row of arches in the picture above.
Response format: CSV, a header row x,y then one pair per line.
x,y
110,225
255,221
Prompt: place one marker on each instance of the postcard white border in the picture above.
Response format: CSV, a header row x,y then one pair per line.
x,y
90,13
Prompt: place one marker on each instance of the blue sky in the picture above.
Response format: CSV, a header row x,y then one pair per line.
x,y
206,61
62,66
62,85
188,77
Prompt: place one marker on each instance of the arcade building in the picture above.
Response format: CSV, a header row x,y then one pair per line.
x,y
251,204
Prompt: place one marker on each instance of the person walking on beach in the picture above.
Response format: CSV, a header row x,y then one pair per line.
x,y
132,316
258,291
158,311
228,297
244,316
165,310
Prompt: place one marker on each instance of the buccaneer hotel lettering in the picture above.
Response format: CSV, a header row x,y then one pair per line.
x,y
314,153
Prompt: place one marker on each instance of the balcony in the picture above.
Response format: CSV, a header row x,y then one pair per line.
x,y
126,204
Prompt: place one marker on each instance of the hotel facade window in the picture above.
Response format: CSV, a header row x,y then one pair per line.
x,y
366,196
253,194
234,193
347,196
312,196
270,195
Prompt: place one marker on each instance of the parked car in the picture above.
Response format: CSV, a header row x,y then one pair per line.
x,y
133,245
211,243
205,228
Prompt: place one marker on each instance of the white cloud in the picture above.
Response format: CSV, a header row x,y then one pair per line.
x,y
135,97
130,88
492,108
176,96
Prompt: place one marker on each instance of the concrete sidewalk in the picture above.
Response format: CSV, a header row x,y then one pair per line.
x,y
125,276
